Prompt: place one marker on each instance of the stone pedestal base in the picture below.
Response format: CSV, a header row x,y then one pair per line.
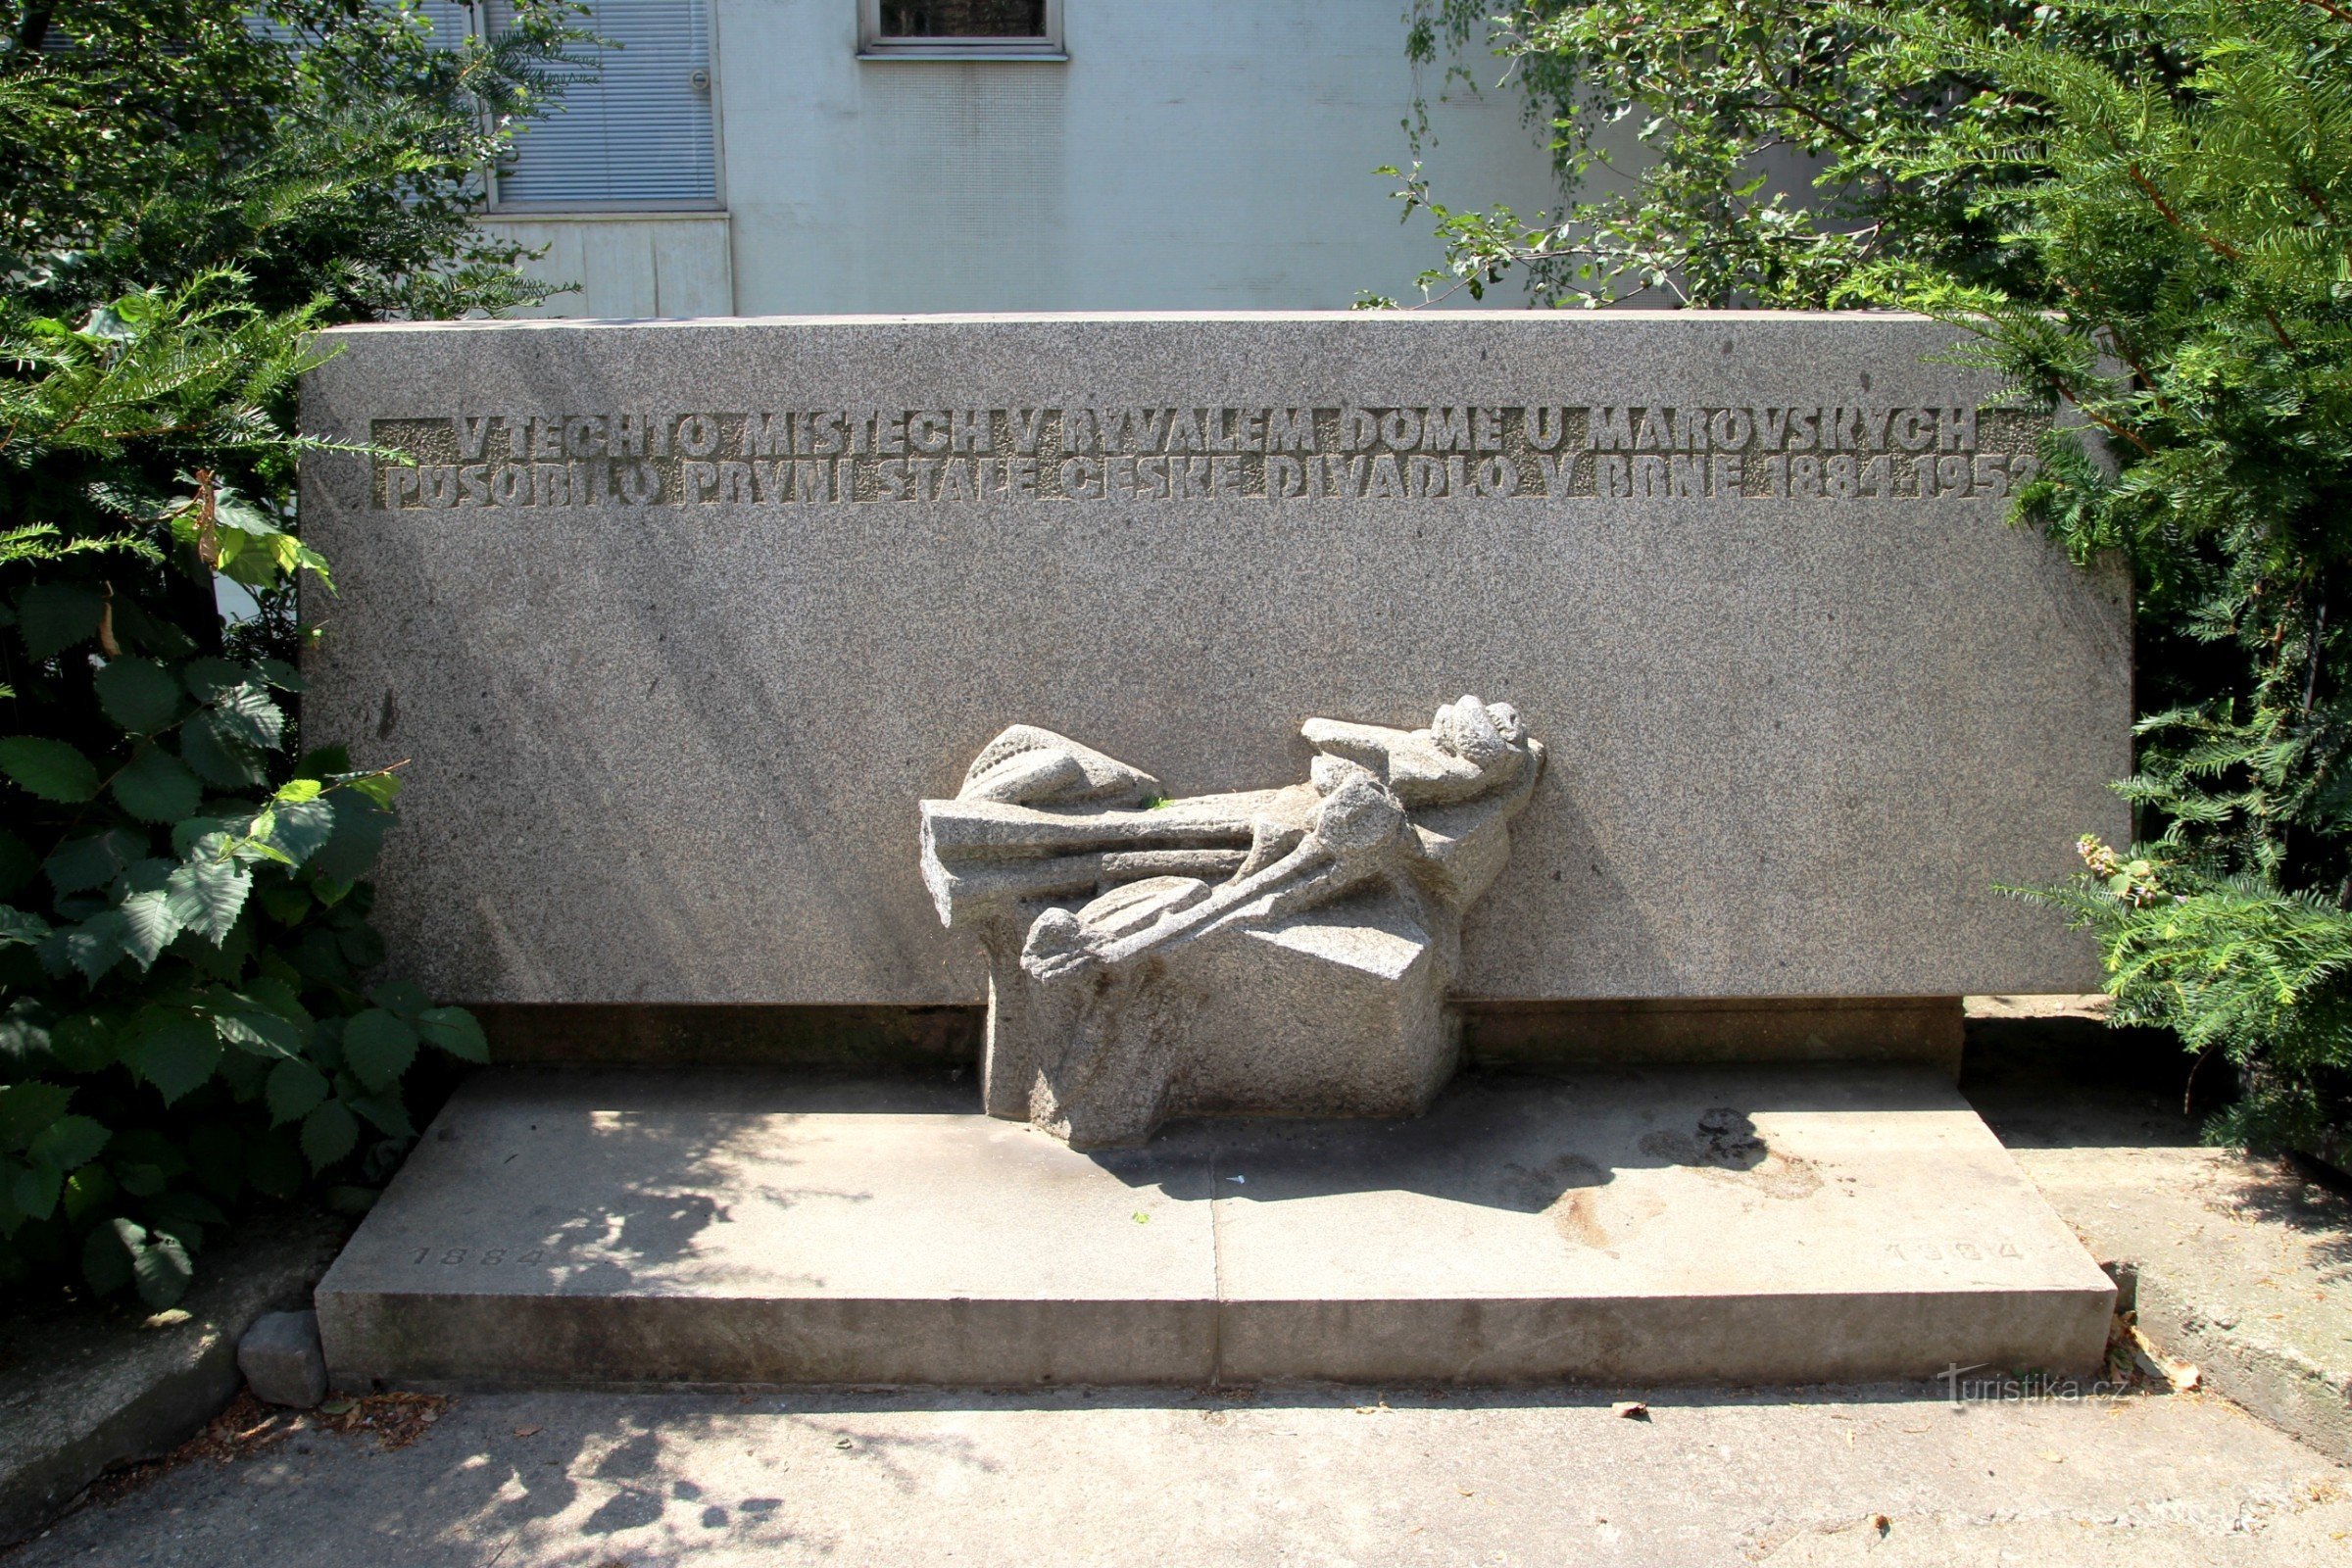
x,y
1744,1226
1341,1012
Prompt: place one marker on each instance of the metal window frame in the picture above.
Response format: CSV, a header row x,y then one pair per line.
x,y
871,45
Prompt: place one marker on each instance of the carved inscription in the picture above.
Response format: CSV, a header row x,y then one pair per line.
x,y
1981,1249
1119,453
481,1258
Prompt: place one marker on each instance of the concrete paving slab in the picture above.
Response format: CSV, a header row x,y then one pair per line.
x,y
83,1389
630,1229
720,1228
1744,1226
2235,1263
1302,1478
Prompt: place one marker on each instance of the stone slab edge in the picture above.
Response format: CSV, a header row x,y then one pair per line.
x,y
2273,1378
86,1396
482,1341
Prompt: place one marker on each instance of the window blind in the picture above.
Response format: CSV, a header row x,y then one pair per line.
x,y
638,133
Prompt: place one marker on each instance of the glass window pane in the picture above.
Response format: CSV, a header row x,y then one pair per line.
x,y
963,19
637,133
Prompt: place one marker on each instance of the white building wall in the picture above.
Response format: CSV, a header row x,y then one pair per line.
x,y
1189,154
627,264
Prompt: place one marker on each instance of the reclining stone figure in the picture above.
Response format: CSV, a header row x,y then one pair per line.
x,y
1268,951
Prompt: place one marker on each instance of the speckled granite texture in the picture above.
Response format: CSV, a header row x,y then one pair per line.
x,y
670,749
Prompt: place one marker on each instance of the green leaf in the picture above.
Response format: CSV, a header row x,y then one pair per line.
x,y
248,714
96,944
150,920
296,790
399,998
295,1090
279,995
92,862
301,828
203,838
456,1031
211,677
70,1142
143,630
378,1046
187,1214
25,1035
157,787
87,1191
28,1110
55,615
286,905
217,756
389,1115
138,694
176,1052
50,769
280,674
37,1189
381,788
361,944
329,1133
18,928
260,1033
82,1042
159,1264
211,894
359,826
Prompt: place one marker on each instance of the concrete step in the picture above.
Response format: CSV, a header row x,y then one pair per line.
x,y
609,1227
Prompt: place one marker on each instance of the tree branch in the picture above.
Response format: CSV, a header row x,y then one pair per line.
x,y
2221,248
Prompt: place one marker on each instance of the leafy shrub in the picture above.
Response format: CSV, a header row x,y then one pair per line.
x,y
190,1011
2140,209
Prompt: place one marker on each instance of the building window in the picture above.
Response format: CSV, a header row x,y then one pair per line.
x,y
960,29
639,133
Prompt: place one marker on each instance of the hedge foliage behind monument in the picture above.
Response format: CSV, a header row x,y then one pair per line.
x,y
192,1007
2143,208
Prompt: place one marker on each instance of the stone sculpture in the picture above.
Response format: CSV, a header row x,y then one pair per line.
x,y
1283,951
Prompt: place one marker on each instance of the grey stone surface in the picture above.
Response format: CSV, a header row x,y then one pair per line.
x,y
669,751
81,1392
1881,1476
602,1228
1310,978
282,1360
2238,1265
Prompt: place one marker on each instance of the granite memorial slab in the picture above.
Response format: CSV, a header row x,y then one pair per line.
x,y
677,622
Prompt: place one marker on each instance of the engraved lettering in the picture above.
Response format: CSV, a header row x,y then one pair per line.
x,y
1028,429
